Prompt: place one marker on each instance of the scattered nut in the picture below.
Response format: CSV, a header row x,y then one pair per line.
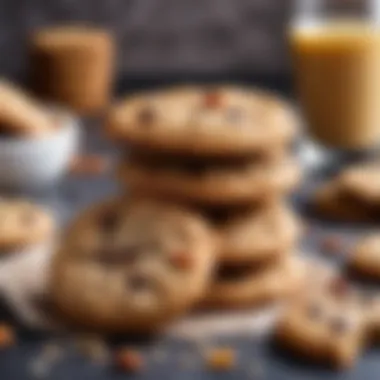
x,y
7,336
129,360
212,99
42,364
89,165
221,359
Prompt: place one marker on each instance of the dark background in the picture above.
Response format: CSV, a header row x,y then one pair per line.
x,y
162,37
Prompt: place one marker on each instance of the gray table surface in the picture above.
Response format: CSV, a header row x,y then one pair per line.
x,y
257,359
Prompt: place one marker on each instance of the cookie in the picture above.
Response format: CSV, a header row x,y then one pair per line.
x,y
254,236
365,258
73,65
362,182
247,286
329,321
23,224
21,115
132,267
331,201
324,327
203,121
213,184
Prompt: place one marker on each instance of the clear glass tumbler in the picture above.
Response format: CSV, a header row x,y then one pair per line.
x,y
335,47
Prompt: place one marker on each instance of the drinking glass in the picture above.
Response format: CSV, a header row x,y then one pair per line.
x,y
335,48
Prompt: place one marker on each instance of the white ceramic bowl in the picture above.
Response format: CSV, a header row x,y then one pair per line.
x,y
35,164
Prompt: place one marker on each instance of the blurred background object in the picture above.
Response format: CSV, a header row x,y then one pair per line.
x,y
162,37
336,59
73,66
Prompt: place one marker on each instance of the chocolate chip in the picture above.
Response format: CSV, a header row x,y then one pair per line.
x,y
108,221
138,283
339,325
212,99
340,288
118,255
314,311
146,116
181,260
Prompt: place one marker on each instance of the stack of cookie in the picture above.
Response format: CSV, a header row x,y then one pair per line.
x,y
225,151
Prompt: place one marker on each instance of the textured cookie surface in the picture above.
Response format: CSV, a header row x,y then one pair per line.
x,y
257,235
330,322
333,202
23,223
221,184
363,182
324,328
365,258
132,267
222,121
243,286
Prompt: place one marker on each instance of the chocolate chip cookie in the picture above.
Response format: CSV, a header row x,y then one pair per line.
x,y
331,323
132,266
203,121
213,184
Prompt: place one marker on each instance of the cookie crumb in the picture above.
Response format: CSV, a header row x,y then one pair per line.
x,y
221,359
93,347
89,164
128,360
7,336
41,365
332,244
